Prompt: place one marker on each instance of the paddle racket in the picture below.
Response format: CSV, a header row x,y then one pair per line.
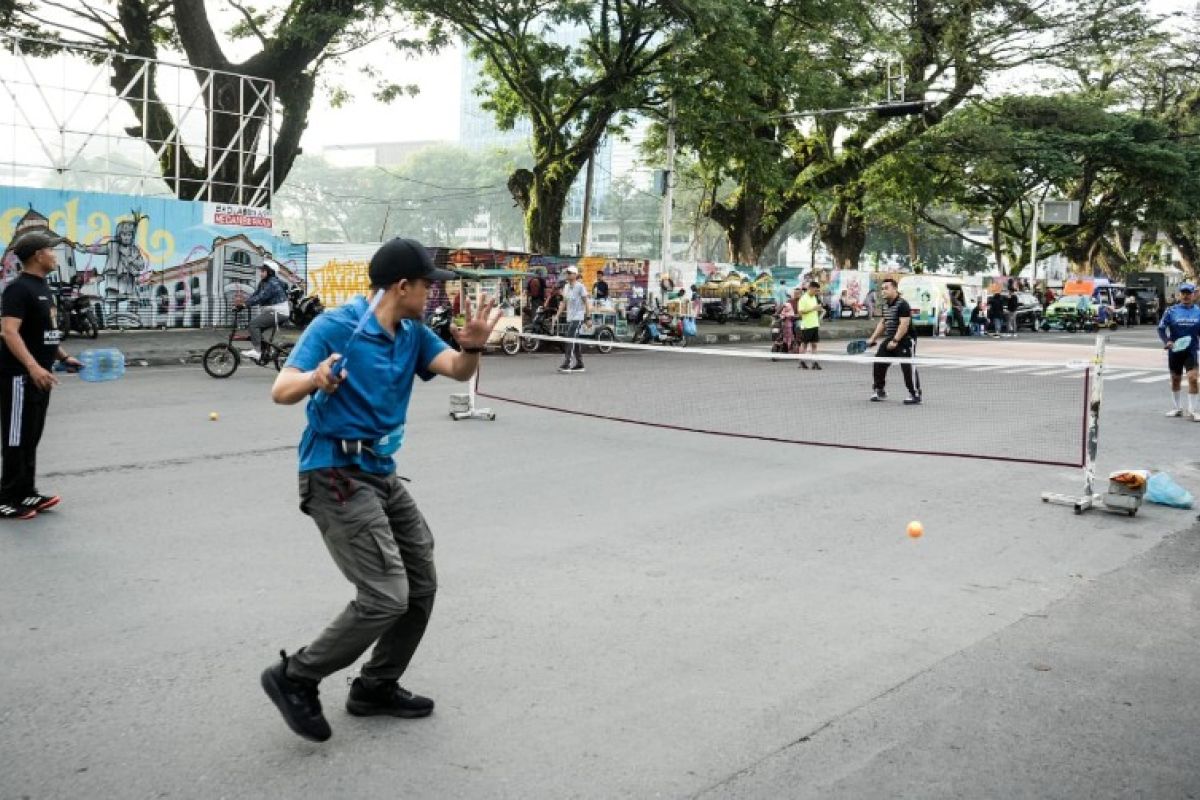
x,y
856,347
1181,344
339,366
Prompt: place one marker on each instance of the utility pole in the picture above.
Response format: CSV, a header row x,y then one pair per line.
x,y
587,205
668,198
1033,244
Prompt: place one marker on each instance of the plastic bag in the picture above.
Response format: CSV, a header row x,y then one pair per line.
x,y
689,326
1162,489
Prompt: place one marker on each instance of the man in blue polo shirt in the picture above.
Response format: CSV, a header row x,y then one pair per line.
x,y
1179,331
357,367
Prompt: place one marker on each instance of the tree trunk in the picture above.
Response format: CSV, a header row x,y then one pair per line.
x,y
1186,244
844,234
998,243
748,230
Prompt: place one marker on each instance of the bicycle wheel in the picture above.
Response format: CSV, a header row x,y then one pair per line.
x,y
604,340
281,355
510,342
221,360
90,329
528,343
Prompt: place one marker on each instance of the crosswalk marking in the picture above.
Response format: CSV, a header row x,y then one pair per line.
x,y
1058,371
1153,379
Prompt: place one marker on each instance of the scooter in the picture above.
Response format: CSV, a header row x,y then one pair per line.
x,y
304,309
75,314
656,326
440,322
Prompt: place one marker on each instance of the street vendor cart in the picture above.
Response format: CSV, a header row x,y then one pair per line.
x,y
507,288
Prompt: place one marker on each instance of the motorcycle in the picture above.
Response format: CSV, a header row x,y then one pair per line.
x,y
656,326
753,308
303,309
75,313
440,322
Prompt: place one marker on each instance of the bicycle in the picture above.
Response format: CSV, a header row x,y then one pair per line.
x,y
222,359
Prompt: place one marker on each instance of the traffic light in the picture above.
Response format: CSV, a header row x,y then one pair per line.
x,y
905,109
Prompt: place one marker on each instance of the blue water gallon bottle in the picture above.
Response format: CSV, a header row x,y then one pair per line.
x,y
106,364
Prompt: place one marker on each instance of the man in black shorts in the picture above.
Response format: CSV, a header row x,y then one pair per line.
x,y
30,334
895,330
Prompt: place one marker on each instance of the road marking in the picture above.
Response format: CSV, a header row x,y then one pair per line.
x,y
1120,376
987,368
1058,371
1154,379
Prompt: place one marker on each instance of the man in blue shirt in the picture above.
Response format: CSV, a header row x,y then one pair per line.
x,y
357,367
1179,330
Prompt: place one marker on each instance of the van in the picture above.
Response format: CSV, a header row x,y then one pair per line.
x,y
930,296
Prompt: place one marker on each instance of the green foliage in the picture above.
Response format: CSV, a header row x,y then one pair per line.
x,y
430,196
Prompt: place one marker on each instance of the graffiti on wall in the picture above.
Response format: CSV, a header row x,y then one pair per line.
x,y
150,262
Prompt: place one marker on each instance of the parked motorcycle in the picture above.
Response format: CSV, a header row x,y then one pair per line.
x,y
753,308
440,322
656,326
304,309
75,313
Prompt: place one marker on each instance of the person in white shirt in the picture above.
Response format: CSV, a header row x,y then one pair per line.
x,y
579,308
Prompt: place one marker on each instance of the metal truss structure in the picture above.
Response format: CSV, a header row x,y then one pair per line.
x,y
89,119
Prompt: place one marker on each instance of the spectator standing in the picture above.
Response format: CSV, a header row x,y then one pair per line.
x,y
978,318
808,308
995,313
1011,304
600,288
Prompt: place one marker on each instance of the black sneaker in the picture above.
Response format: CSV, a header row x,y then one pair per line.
x,y
564,369
296,699
390,699
817,365
16,512
41,502
803,365
577,369
878,397
912,400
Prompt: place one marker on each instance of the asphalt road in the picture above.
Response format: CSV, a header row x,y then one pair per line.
x,y
624,611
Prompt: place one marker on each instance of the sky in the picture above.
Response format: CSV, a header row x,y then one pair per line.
x,y
432,114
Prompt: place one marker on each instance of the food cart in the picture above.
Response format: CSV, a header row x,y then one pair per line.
x,y
507,287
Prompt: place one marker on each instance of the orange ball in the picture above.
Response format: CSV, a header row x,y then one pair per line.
x,y
915,529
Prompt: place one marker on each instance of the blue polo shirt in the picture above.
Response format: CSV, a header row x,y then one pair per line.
x,y
372,402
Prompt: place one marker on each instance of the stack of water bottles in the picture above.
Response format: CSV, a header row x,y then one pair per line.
x,y
105,364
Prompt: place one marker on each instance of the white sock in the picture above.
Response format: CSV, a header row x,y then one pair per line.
x,y
1191,405
1175,398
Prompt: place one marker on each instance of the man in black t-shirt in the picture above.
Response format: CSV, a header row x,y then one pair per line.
x,y
30,335
894,332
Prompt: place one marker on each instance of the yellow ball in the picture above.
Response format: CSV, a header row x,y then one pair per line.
x,y
915,529
213,416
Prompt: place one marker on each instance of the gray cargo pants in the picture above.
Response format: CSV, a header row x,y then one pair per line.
x,y
380,542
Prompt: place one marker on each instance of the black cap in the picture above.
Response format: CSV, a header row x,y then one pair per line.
x,y
402,259
25,245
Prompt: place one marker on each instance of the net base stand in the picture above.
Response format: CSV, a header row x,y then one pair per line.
x,y
462,406
1080,504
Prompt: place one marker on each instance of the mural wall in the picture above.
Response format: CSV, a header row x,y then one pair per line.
x,y
151,262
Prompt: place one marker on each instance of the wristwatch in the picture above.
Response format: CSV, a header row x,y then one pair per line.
x,y
473,350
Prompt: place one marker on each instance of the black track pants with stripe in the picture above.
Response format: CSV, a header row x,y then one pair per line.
x,y
23,409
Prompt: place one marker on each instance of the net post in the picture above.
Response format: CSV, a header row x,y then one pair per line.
x,y
1091,438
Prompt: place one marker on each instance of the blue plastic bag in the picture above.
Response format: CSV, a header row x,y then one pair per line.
x,y
1162,489
689,326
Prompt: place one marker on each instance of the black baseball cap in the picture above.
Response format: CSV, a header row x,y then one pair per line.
x,y
402,259
28,243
